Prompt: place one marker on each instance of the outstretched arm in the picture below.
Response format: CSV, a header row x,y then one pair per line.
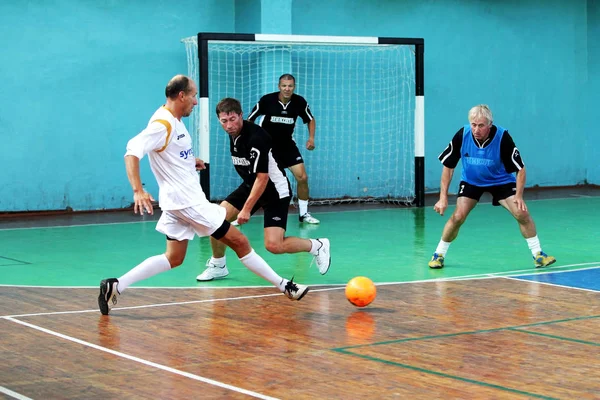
x,y
442,203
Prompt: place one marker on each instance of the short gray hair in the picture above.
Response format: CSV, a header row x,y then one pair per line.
x,y
481,111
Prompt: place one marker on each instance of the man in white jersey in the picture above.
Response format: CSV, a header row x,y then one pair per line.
x,y
185,210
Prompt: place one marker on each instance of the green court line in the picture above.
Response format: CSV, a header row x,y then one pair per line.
x,y
555,337
458,378
468,332
19,262
345,350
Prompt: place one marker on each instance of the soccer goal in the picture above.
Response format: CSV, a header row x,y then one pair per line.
x,y
366,94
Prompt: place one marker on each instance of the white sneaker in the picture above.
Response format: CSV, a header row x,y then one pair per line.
x,y
235,223
323,257
212,272
309,219
295,291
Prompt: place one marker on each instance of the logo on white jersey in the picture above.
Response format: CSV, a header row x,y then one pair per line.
x,y
240,161
186,153
282,120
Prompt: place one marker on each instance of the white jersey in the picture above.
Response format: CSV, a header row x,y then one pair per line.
x,y
169,148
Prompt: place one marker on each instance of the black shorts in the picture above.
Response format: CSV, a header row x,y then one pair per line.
x,y
287,154
275,209
499,192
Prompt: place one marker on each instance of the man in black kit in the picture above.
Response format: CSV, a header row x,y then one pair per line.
x,y
265,186
281,110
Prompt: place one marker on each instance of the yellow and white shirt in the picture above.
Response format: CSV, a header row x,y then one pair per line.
x,y
169,147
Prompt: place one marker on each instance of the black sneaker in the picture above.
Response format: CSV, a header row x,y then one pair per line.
x,y
295,291
108,295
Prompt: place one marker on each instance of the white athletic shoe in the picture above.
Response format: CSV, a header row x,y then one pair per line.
x,y
295,291
323,257
235,223
212,272
309,219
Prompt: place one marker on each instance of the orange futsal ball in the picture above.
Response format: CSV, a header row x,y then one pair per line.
x,y
361,291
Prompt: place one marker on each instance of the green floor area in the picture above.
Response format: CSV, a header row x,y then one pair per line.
x,y
387,245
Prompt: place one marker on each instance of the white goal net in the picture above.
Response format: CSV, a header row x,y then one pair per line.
x,y
362,98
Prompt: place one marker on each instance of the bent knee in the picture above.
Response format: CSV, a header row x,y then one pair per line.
x,y
459,217
274,247
523,217
175,261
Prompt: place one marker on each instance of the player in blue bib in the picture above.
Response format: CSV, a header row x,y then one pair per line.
x,y
489,160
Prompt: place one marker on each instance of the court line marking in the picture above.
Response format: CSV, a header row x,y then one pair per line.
x,y
442,374
551,284
331,287
566,339
405,209
12,394
15,260
517,328
145,362
595,264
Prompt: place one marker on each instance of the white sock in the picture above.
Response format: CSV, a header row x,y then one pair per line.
x,y
256,264
442,247
219,262
147,268
315,245
302,206
534,245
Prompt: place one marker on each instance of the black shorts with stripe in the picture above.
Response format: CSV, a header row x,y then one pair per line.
x,y
498,192
287,154
275,209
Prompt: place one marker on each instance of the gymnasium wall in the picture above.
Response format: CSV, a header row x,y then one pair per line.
x,y
82,77
79,78
526,59
591,135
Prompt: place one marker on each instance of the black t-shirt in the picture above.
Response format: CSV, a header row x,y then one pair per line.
x,y
280,119
251,154
510,155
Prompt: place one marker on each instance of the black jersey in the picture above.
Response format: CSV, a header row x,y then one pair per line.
x,y
251,154
510,155
280,119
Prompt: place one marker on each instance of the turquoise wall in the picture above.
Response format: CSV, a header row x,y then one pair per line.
x,y
81,77
592,133
526,59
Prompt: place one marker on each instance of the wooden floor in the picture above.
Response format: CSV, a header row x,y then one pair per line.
x,y
497,338
486,326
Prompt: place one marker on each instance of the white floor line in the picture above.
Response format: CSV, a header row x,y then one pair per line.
x,y
529,271
146,362
550,284
12,394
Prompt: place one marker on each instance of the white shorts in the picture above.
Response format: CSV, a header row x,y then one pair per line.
x,y
202,220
